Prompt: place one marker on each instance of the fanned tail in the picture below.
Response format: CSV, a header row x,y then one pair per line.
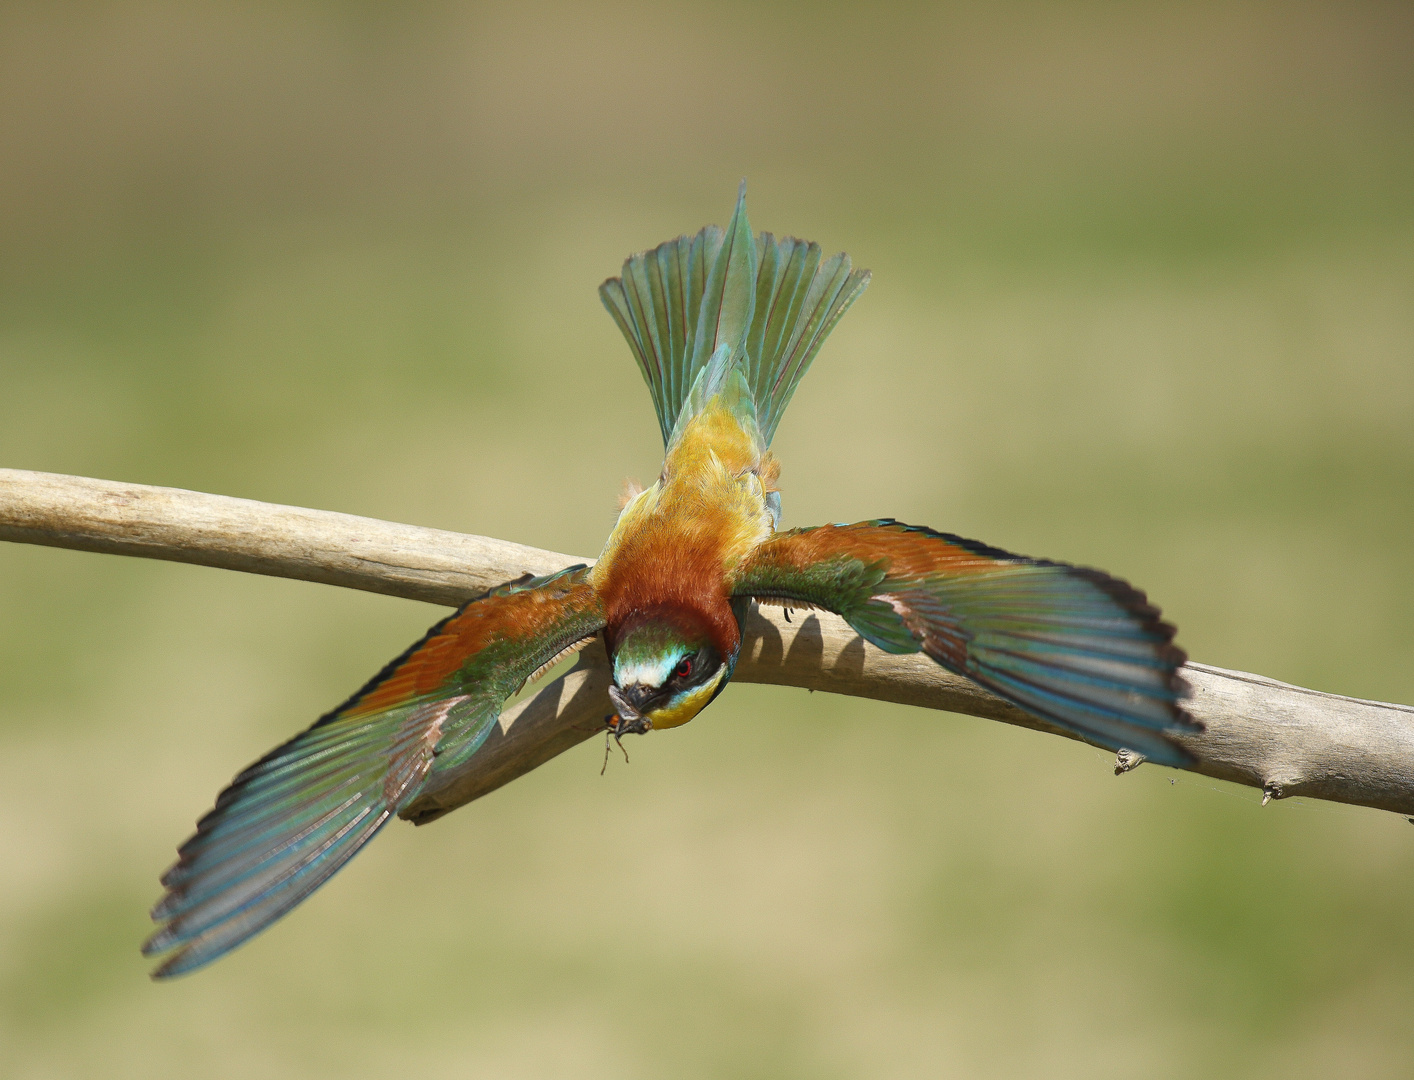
x,y
771,303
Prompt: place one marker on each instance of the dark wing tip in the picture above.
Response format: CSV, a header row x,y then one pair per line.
x,y
1130,600
1135,602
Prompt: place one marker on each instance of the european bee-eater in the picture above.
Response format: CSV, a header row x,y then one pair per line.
x,y
723,326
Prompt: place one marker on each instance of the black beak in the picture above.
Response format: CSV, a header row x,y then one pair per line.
x,y
629,702
638,695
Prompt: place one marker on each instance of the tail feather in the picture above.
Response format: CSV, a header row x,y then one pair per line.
x,y
656,305
729,295
787,267
770,302
807,299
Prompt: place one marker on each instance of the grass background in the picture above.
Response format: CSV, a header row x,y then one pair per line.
x,y
1143,299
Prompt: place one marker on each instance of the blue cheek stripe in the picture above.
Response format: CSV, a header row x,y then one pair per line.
x,y
652,672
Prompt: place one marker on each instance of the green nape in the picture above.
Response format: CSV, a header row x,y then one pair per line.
x,y
647,654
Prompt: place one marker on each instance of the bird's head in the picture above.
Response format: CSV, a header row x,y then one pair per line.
x,y
666,669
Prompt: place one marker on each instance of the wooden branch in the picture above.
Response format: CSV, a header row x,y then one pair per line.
x,y
260,538
1283,739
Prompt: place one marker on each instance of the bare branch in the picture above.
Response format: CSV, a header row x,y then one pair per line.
x,y
260,538
1283,739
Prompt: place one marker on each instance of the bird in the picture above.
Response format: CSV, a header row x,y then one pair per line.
x,y
723,324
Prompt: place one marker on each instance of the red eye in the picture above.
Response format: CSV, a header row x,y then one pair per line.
x,y
685,668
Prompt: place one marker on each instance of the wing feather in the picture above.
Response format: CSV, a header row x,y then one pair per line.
x,y
1072,645
287,823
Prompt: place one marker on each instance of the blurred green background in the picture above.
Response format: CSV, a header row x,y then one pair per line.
x,y
1143,298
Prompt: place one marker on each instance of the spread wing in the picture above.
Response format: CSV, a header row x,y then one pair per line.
x,y
1071,645
287,823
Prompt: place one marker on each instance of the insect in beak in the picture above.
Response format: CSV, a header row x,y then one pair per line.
x,y
627,721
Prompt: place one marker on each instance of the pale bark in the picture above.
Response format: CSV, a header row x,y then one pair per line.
x,y
1284,739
